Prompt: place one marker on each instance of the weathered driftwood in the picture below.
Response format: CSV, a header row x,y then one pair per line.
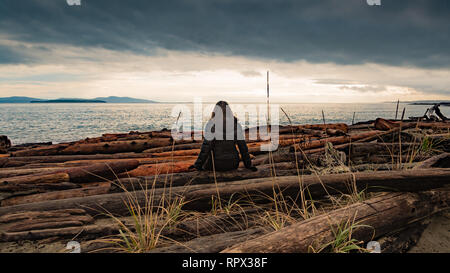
x,y
27,215
175,147
83,163
49,223
206,225
18,183
27,189
116,146
358,149
393,159
94,172
385,125
28,145
295,128
98,148
43,220
382,214
438,161
10,172
55,195
434,125
198,197
85,231
32,225
177,153
213,243
352,149
381,167
335,140
162,168
42,151
206,177
401,241
64,158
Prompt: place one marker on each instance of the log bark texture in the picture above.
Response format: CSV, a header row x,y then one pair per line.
x,y
382,214
198,197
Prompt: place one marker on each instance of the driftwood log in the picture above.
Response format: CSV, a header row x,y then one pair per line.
x,y
381,215
98,148
55,195
96,172
198,197
438,161
213,243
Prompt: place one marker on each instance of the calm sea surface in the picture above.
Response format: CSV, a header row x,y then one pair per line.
x,y
27,123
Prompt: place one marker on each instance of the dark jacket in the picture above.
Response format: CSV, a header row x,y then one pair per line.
x,y
224,152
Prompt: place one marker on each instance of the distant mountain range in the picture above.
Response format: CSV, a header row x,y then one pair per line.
x,y
111,99
429,102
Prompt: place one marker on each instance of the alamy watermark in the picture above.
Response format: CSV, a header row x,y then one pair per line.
x,y
374,247
373,2
73,2
74,246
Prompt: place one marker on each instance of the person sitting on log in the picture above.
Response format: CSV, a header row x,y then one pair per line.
x,y
222,133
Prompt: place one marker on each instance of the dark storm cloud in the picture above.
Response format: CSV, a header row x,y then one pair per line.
x,y
400,32
9,55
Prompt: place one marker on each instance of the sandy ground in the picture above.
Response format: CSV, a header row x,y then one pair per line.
x,y
43,246
436,236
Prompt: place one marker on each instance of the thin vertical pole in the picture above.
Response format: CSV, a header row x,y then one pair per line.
x,y
396,111
268,102
324,123
353,119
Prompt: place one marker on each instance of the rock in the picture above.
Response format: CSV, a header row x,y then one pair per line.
x,y
5,144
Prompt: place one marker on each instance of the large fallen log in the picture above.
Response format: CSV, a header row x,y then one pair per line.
x,y
351,149
206,177
438,161
116,146
385,125
381,215
96,172
198,197
175,147
191,152
10,172
65,158
401,241
42,151
84,231
98,148
43,220
55,195
335,140
83,163
434,125
213,243
15,183
296,128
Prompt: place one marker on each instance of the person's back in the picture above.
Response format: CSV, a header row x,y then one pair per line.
x,y
222,133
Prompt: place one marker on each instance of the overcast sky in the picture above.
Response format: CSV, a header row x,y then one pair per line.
x,y
175,50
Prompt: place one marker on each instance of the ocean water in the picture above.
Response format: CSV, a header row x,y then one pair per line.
x,y
29,123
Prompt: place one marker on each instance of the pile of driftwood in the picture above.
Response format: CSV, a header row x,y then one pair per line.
x,y
70,190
